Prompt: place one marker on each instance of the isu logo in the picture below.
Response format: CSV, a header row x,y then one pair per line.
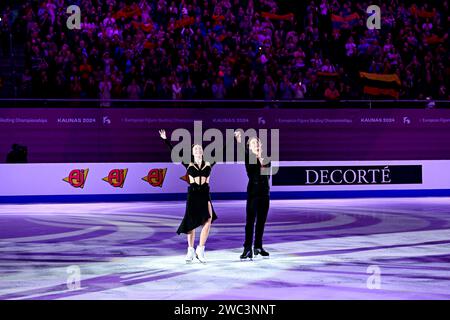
x,y
77,178
155,177
116,177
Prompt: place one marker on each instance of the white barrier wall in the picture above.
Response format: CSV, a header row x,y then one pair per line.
x,y
166,178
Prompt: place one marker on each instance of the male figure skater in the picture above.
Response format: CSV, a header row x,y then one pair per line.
x,y
258,196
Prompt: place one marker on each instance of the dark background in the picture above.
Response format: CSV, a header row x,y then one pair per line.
x,y
325,138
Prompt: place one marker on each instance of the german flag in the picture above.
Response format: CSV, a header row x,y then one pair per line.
x,y
381,84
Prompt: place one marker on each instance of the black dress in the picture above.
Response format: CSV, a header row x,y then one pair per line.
x,y
197,212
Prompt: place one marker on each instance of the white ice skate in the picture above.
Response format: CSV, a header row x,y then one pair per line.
x,y
190,255
200,252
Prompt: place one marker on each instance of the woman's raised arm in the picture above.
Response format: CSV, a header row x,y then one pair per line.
x,y
162,134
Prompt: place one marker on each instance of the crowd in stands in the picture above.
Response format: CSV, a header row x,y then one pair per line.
x,y
230,49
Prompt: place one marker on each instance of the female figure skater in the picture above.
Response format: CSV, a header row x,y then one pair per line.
x,y
258,196
199,210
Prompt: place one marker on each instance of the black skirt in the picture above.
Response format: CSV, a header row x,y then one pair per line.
x,y
197,212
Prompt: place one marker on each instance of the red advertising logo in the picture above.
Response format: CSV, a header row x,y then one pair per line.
x,y
77,178
185,178
116,177
155,177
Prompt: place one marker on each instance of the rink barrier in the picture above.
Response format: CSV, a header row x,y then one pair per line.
x,y
225,196
94,182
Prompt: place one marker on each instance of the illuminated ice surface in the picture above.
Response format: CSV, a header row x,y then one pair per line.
x,y
320,249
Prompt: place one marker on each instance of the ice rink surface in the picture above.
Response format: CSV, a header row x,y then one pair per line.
x,y
320,249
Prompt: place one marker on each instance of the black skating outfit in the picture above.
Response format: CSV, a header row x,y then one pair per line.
x,y
197,213
258,199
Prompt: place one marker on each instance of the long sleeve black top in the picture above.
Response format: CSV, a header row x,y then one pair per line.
x,y
258,173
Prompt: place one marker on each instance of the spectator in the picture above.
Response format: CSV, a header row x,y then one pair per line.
x,y
332,93
299,90
105,92
270,89
178,49
286,89
176,91
218,89
134,91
